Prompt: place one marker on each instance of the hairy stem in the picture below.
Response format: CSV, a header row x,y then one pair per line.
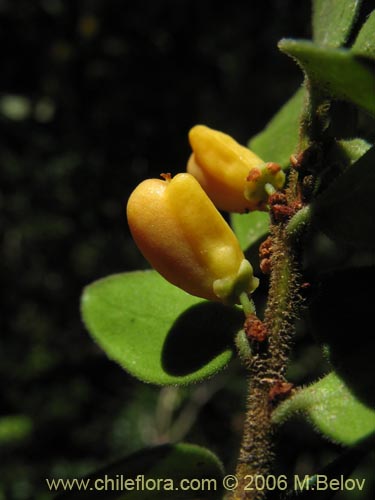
x,y
269,361
247,303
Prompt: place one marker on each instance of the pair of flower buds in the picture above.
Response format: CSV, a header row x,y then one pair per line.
x,y
177,227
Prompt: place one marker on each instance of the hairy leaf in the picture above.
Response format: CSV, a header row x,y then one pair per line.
x,y
332,21
364,44
157,332
333,410
336,72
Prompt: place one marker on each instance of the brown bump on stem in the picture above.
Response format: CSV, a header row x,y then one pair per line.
x,y
265,248
296,205
255,329
278,199
265,251
265,266
279,390
281,213
273,168
167,177
254,175
279,208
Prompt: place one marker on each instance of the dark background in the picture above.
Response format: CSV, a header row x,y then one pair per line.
x,y
95,96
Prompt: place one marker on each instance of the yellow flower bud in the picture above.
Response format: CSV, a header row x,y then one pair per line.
x,y
184,237
225,170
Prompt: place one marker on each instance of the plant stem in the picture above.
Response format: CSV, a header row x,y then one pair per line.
x,y
247,304
269,189
269,362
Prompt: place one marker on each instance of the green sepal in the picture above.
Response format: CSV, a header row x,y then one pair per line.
x,y
229,289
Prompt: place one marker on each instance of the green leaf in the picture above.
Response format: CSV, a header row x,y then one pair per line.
x,y
332,409
332,21
170,466
250,228
157,332
336,72
344,211
280,137
364,44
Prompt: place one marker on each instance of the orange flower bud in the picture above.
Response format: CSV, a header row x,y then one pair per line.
x,y
184,237
233,176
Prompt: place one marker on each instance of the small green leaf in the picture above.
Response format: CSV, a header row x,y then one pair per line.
x,y
250,228
163,472
332,21
280,137
157,332
337,72
345,210
332,409
364,44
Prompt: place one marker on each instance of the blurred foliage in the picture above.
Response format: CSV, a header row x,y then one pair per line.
x,y
94,97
